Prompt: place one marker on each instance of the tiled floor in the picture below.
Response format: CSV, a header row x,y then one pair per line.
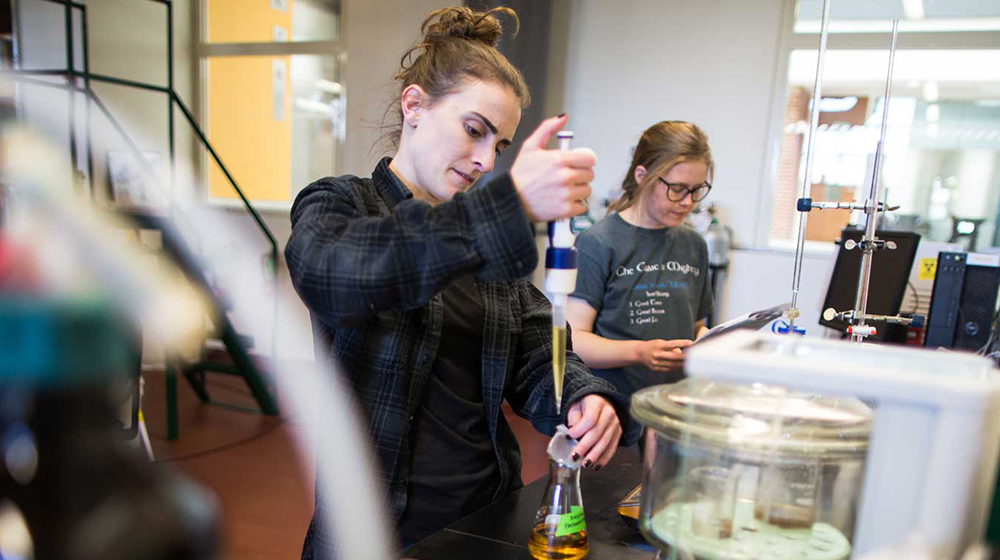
x,y
248,460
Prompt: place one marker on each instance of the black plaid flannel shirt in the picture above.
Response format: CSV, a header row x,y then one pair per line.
x,y
370,262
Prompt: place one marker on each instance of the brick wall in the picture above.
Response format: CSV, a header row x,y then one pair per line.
x,y
787,187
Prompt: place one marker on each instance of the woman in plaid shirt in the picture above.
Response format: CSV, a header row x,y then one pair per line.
x,y
416,285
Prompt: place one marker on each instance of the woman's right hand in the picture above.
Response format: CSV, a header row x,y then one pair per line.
x,y
553,184
662,355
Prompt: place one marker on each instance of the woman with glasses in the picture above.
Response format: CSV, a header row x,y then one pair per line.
x,y
643,290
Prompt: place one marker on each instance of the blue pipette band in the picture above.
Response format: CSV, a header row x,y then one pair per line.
x,y
560,257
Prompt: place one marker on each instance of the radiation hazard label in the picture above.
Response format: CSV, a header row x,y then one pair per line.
x,y
928,267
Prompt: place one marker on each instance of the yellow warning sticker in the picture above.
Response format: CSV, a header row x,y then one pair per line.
x,y
928,267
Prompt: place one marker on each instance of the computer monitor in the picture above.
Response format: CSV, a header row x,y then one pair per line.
x,y
887,284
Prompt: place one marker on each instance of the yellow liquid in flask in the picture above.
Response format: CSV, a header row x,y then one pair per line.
x,y
543,544
558,362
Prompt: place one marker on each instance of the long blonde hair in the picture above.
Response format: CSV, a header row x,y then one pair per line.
x,y
660,148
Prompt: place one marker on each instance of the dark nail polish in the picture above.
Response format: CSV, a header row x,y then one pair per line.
x,y
576,456
561,115
587,463
597,468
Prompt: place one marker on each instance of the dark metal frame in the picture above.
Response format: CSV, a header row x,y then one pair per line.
x,y
72,76
70,73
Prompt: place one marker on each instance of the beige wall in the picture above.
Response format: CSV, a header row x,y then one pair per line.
x,y
632,63
376,34
128,39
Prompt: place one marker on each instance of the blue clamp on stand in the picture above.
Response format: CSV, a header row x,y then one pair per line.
x,y
781,327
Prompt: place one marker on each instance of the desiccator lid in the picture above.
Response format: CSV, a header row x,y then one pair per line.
x,y
755,418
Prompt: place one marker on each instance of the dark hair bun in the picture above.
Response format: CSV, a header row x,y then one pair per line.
x,y
462,22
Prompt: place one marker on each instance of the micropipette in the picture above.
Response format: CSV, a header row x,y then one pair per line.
x,y
560,281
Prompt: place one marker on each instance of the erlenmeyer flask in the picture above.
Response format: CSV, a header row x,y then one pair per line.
x,y
560,530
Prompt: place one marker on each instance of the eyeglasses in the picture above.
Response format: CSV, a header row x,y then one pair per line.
x,y
677,192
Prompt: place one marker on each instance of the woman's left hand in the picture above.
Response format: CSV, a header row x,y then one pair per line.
x,y
594,423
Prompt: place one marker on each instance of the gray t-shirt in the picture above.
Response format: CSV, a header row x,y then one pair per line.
x,y
645,284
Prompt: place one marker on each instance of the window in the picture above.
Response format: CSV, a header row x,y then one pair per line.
x,y
942,150
263,21
273,103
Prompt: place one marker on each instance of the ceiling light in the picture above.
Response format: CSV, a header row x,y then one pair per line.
x,y
930,91
965,227
933,113
913,9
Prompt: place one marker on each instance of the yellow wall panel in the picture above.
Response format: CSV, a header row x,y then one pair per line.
x,y
255,147
245,21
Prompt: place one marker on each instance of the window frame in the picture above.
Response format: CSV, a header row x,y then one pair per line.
x,y
204,50
793,41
